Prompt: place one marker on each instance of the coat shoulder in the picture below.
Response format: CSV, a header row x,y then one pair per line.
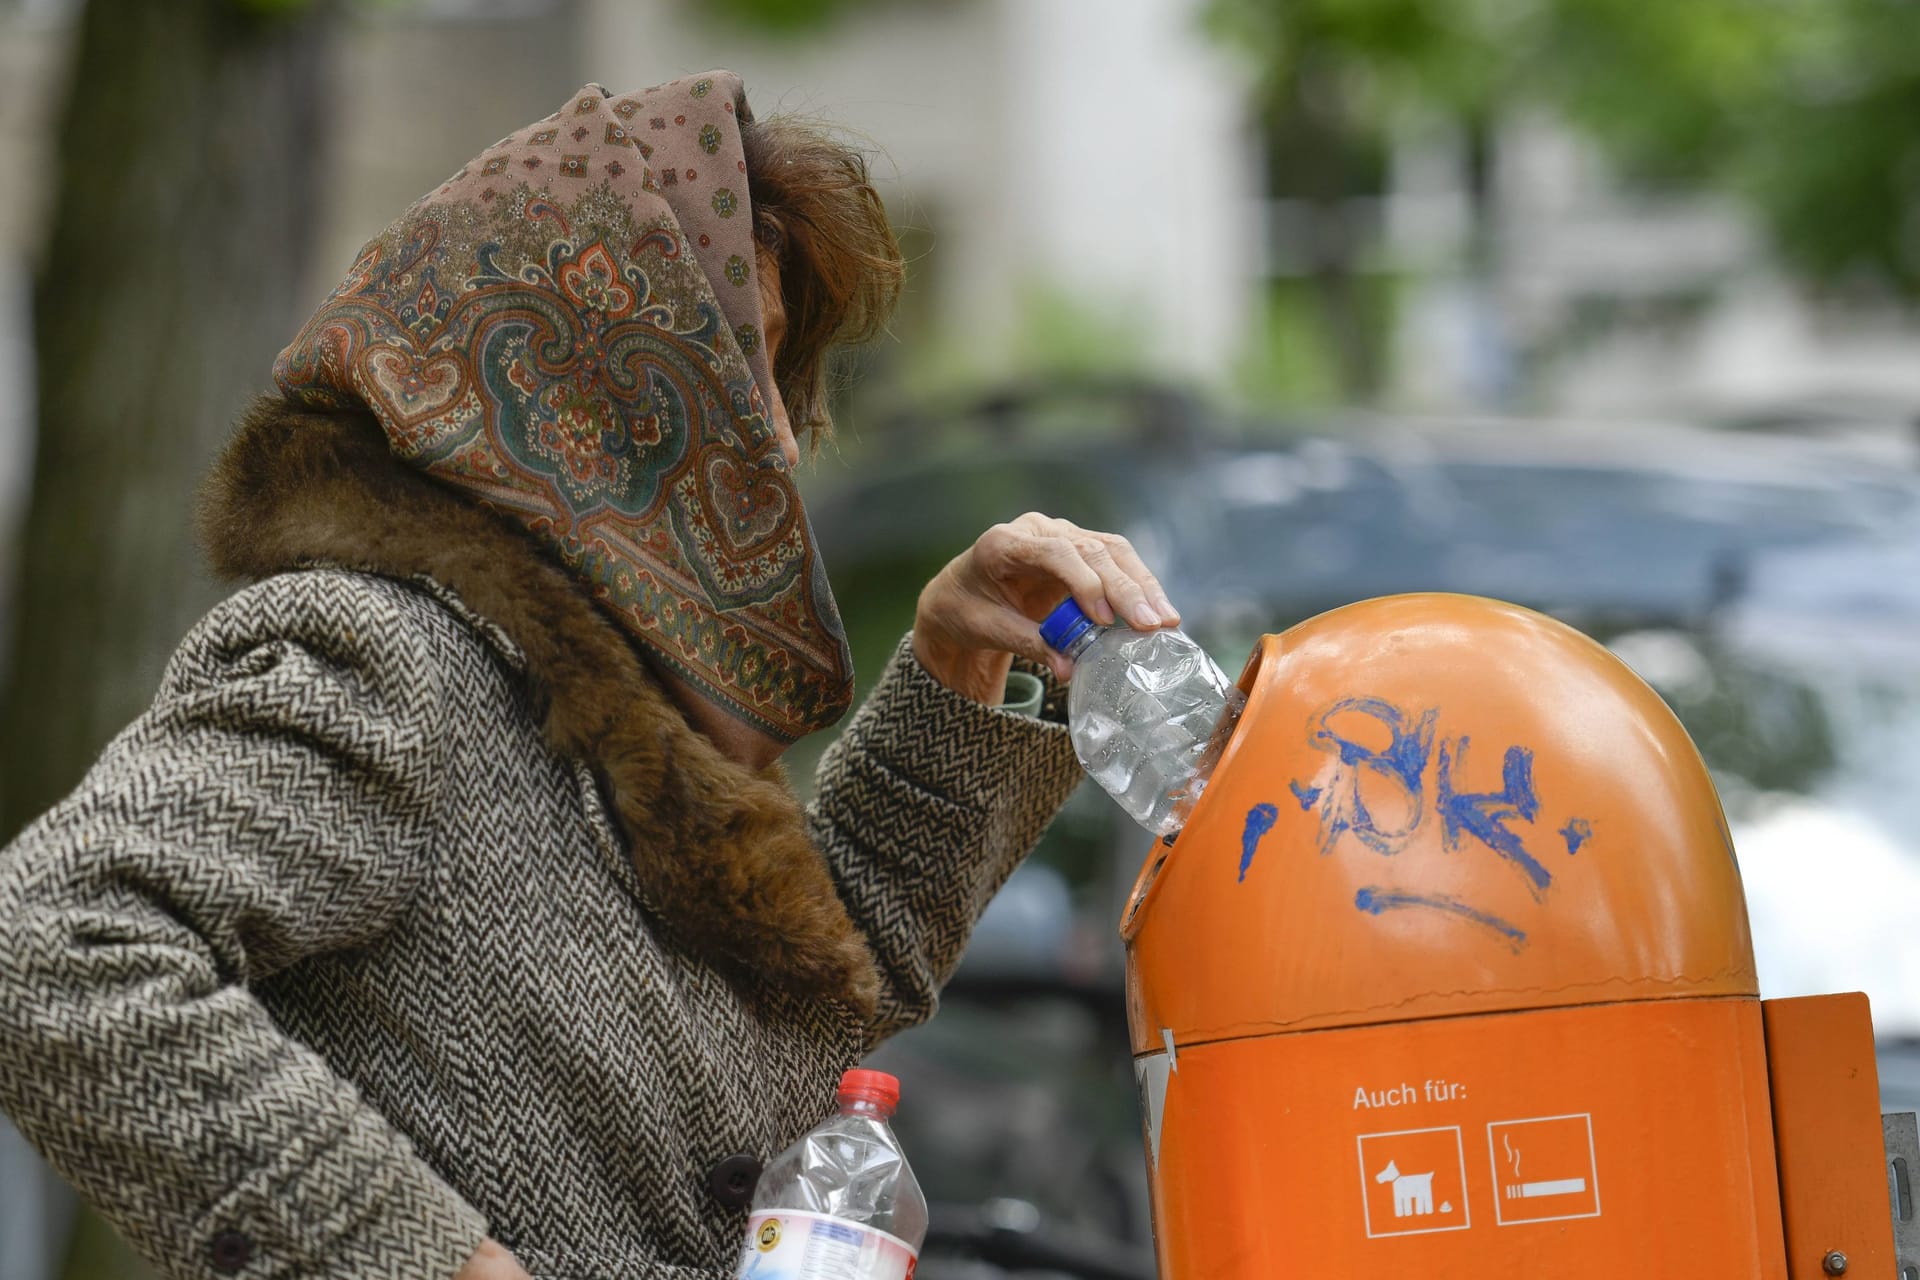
x,y
359,617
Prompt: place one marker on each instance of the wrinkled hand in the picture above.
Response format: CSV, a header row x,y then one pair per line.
x,y
491,1261
985,606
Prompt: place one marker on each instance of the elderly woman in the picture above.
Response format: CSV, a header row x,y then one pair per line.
x,y
448,912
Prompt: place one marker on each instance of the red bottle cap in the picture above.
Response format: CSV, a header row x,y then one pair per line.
x,y
870,1086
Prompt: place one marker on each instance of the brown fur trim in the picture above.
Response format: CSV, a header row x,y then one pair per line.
x,y
722,854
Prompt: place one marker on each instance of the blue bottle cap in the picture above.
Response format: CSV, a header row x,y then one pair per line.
x,y
1064,625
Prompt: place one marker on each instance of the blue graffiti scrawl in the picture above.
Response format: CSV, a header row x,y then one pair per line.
x,y
1485,815
1373,901
1378,795
1398,767
1260,820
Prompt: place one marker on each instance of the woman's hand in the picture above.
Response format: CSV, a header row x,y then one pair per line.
x,y
984,607
491,1261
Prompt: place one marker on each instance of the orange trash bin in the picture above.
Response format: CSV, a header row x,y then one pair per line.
x,y
1448,973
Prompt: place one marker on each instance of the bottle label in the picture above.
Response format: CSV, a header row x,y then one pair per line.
x,y
788,1244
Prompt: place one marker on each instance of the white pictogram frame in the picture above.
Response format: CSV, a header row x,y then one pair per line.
x,y
1500,1193
1367,1176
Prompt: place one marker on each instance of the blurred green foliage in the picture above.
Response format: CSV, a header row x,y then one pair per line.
x,y
271,9
98,1252
1064,335
783,17
1288,361
1804,109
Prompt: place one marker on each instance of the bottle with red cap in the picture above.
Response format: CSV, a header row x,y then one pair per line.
x,y
841,1203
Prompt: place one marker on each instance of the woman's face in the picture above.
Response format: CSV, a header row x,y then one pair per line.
x,y
773,315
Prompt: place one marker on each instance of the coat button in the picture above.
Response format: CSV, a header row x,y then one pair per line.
x,y
733,1179
231,1252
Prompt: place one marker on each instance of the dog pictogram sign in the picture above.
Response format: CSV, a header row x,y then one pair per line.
x,y
1413,1182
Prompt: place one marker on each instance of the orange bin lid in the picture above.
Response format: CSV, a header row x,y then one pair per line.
x,y
1437,805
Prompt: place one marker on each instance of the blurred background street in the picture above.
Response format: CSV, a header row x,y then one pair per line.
x,y
1604,307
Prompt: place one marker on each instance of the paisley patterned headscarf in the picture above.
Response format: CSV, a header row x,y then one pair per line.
x,y
568,330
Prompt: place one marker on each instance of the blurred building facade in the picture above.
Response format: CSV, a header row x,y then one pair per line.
x,y
1589,298
1093,161
1029,149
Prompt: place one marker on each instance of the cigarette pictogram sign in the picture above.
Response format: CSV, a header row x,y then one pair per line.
x,y
1543,1169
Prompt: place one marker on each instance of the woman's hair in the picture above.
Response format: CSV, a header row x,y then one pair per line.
x,y
840,266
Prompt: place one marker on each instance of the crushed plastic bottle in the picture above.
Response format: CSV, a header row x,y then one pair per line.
x,y
841,1203
1149,713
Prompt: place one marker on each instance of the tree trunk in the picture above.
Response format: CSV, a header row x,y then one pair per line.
x,y
1312,141
187,175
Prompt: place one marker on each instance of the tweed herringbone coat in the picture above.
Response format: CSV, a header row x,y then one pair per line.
x,y
413,912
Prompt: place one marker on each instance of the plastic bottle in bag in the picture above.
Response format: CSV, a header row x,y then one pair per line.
x,y
841,1203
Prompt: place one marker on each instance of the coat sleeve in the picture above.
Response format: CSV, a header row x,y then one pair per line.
x,y
277,800
923,808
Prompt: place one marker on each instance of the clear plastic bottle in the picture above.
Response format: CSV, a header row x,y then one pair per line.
x,y
1149,712
841,1203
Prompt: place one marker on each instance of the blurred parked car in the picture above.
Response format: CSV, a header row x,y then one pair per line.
x,y
1767,583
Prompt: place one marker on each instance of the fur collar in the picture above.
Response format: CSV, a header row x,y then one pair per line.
x,y
722,854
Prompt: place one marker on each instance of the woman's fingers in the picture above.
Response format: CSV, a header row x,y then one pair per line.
x,y
965,630
1021,553
999,627
1071,554
1134,567
1129,598
989,599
